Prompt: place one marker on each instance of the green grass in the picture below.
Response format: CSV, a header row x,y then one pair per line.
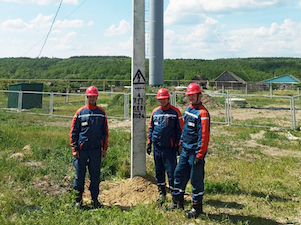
x,y
244,184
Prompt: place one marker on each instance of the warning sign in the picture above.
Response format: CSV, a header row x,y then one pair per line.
x,y
139,78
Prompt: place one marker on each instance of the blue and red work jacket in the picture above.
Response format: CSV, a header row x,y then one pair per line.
x,y
165,127
196,130
89,129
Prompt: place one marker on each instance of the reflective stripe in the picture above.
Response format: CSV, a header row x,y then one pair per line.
x,y
205,118
94,115
160,184
200,193
191,114
179,190
167,115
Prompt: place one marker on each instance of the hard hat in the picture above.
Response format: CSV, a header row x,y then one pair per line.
x,y
193,88
92,91
162,93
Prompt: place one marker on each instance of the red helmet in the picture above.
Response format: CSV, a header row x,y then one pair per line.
x,y
162,93
92,91
193,88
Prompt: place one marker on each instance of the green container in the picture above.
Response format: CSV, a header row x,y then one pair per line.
x,y
29,100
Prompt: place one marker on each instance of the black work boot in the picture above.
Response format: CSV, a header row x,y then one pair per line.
x,y
177,203
162,194
78,200
195,210
96,204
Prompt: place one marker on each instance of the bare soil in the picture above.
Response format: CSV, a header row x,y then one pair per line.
x,y
124,193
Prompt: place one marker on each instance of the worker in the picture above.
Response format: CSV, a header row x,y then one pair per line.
x,y
89,143
164,132
194,141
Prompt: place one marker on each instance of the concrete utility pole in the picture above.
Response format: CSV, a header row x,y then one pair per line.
x,y
138,132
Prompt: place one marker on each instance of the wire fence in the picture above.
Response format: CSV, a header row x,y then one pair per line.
x,y
229,109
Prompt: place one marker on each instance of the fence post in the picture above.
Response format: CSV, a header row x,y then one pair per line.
x,y
173,99
293,114
226,108
20,99
67,95
126,106
51,104
230,109
271,90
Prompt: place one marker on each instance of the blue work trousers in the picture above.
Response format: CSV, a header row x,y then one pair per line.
x,y
92,159
186,170
165,161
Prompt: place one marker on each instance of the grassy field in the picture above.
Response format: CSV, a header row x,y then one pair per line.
x,y
252,176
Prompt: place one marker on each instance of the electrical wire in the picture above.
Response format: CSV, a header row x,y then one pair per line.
x,y
221,37
50,28
53,29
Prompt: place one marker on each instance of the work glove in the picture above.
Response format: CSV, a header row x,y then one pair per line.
x,y
149,148
197,161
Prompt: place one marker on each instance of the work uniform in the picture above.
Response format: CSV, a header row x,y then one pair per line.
x,y
88,136
164,132
194,140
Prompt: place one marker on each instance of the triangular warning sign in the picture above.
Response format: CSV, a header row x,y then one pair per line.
x,y
139,78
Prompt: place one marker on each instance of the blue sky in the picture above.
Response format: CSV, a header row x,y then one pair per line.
x,y
194,29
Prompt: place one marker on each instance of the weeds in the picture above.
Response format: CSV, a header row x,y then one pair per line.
x,y
243,184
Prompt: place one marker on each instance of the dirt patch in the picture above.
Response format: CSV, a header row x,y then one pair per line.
x,y
125,125
258,135
51,187
272,151
125,193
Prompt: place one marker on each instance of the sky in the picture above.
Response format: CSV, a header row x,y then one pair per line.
x,y
193,29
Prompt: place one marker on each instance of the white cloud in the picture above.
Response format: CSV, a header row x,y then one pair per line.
x,y
40,22
127,45
179,11
42,2
69,23
66,41
123,28
276,40
90,23
15,25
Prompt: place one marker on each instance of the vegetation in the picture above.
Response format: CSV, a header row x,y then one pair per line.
x,y
252,174
248,180
119,68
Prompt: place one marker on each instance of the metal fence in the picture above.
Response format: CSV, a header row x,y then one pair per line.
x,y
224,108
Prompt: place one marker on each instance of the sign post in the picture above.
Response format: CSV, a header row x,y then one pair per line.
x,y
138,128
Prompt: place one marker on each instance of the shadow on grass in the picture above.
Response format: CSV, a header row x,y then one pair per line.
x,y
232,188
222,204
251,220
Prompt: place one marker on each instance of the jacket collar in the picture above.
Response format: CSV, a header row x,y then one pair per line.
x,y
91,107
166,107
196,105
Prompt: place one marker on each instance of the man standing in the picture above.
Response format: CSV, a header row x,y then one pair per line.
x,y
194,140
164,132
89,143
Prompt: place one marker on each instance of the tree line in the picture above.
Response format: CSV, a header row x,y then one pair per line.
x,y
119,68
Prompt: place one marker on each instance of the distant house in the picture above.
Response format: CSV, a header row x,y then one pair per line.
x,y
284,81
203,82
229,80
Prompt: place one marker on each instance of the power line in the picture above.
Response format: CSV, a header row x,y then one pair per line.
x,y
50,28
53,29
216,30
221,36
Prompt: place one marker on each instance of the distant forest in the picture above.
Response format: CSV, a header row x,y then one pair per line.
x,y
119,68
